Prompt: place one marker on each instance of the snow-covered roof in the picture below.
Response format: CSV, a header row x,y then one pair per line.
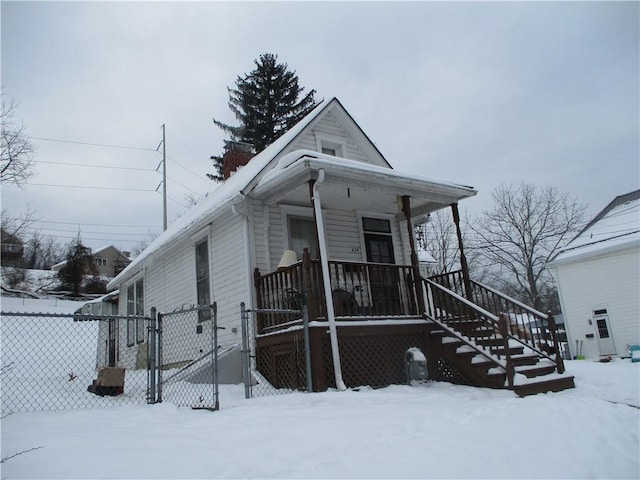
x,y
256,176
616,227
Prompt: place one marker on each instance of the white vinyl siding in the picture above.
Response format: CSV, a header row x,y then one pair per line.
x,y
610,282
328,127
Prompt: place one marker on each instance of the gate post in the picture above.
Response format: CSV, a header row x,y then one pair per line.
x,y
246,378
307,347
152,364
216,390
160,359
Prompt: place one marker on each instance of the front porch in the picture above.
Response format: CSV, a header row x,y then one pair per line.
x,y
470,334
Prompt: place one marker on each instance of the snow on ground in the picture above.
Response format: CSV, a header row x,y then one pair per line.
x,y
437,430
34,280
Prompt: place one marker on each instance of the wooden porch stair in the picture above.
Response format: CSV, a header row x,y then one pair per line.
x,y
478,363
487,351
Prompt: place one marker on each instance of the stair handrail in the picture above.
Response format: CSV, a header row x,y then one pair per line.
x,y
536,313
506,297
466,341
498,324
482,293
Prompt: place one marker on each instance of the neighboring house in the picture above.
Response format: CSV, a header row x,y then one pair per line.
x,y
12,250
321,214
109,261
598,277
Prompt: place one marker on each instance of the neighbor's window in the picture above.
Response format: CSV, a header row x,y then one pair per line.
x,y
202,279
101,262
135,307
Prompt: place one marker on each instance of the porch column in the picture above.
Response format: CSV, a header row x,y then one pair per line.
x,y
463,258
417,278
326,280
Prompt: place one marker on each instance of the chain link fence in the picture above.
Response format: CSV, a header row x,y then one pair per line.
x,y
51,361
187,354
275,365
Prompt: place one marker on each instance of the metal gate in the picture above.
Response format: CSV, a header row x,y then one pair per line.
x,y
293,362
183,357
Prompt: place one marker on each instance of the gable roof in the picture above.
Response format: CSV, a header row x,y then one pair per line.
x,y
245,179
616,226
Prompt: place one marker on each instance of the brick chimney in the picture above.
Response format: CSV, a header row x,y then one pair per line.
x,y
236,155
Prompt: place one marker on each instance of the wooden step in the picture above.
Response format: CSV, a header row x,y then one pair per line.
x,y
543,367
549,383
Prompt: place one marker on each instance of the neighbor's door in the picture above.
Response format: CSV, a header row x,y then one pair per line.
x,y
605,340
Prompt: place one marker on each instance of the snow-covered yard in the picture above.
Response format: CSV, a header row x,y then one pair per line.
x,y
435,430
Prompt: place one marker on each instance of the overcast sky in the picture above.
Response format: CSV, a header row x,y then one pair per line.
x,y
474,93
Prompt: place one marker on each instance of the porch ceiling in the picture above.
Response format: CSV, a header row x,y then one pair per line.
x,y
356,186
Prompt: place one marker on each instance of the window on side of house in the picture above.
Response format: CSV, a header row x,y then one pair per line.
x,y
131,310
135,307
101,262
202,279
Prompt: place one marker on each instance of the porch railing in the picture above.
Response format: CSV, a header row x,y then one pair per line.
x,y
474,325
358,290
531,327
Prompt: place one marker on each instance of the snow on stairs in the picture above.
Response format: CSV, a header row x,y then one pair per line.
x,y
480,360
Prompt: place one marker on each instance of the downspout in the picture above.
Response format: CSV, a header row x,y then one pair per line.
x,y
247,259
326,280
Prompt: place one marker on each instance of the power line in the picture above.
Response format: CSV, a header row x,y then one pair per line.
x,y
99,224
36,229
92,188
95,144
98,166
189,170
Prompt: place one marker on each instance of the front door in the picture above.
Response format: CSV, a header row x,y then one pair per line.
x,y
603,330
383,279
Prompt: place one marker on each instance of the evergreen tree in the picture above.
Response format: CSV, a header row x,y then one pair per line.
x,y
80,262
266,102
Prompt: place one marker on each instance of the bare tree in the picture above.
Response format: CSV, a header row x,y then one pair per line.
x,y
17,225
17,155
438,238
516,239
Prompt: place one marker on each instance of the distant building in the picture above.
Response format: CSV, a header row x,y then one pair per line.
x,y
109,261
598,276
12,250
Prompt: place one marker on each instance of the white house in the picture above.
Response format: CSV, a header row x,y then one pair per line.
x,y
598,277
323,198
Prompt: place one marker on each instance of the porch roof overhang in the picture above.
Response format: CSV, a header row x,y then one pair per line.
x,y
361,185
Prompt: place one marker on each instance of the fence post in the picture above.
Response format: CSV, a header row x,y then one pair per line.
x,y
246,379
216,391
307,347
152,365
160,359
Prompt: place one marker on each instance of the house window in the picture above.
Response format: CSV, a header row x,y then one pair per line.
x,y
202,279
329,151
135,307
101,262
302,234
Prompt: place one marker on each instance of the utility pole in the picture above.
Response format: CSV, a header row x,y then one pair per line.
x,y
164,180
